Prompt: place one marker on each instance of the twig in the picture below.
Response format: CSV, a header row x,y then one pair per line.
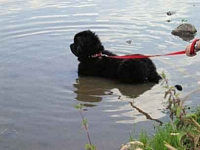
x,y
146,114
85,126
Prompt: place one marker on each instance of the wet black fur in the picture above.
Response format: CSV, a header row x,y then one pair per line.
x,y
87,43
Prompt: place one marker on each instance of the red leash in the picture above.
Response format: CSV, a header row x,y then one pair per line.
x,y
192,51
146,56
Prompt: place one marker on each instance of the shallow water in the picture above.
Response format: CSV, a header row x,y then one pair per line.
x,y
39,84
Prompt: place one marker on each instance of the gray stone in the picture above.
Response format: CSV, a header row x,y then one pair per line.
x,y
169,13
185,31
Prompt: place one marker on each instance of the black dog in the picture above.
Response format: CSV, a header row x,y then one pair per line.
x,y
95,61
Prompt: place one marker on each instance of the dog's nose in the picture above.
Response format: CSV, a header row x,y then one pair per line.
x,y
72,46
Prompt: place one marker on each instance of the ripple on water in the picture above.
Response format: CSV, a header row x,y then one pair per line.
x,y
39,84
35,23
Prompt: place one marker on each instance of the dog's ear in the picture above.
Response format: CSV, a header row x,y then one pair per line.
x,y
99,48
93,48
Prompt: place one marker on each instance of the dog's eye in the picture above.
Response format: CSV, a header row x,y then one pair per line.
x,y
77,40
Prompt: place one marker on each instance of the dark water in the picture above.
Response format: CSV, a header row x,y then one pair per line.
x,y
39,85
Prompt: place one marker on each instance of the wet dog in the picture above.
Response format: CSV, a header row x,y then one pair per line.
x,y
95,61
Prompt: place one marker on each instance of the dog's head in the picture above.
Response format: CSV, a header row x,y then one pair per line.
x,y
86,43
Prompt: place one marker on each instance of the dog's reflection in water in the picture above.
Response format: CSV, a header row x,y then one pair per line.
x,y
90,90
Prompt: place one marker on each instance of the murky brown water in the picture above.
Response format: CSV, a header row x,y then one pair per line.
x,y
39,85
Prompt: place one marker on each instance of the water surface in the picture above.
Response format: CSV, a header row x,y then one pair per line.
x,y
39,84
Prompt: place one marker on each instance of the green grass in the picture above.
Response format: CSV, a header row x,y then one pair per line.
x,y
166,133
170,133
182,133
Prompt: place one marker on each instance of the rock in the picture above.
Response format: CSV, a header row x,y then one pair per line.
x,y
169,13
185,31
178,87
129,41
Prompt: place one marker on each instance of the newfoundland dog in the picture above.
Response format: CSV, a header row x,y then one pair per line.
x,y
96,61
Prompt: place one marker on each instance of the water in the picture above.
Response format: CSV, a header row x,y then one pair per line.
x,y
39,84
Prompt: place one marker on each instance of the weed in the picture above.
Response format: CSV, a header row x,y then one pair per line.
x,y
88,146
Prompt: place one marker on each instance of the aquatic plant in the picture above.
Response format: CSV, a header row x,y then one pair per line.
x,y
88,146
186,123
183,20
